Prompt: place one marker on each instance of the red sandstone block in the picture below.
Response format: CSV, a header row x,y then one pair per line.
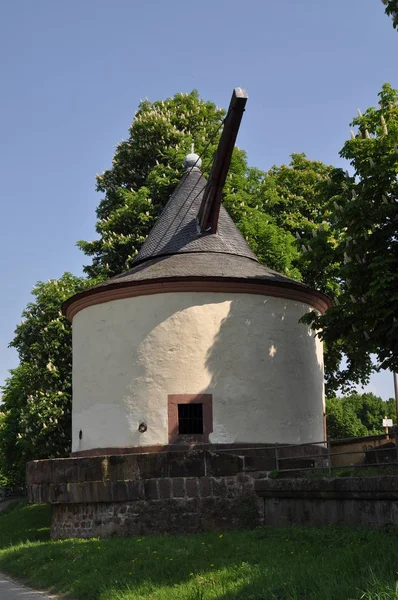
x,y
182,464
90,468
126,490
178,487
191,485
205,487
39,471
66,470
151,489
222,464
164,486
102,491
58,493
151,465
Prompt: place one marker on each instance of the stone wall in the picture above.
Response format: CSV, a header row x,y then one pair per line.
x,y
135,494
159,492
167,505
365,501
341,449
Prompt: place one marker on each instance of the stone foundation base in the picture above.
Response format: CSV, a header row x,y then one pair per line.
x,y
207,504
362,501
165,492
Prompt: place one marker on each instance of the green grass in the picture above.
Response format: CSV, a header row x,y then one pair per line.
x,y
265,564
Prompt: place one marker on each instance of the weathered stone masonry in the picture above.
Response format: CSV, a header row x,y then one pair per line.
x,y
160,492
364,501
137,494
180,505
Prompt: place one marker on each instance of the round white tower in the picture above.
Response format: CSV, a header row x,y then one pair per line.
x,y
197,343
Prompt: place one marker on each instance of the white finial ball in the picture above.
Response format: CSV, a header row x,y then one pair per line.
x,y
192,161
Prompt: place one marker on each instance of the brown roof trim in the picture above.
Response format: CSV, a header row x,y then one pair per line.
x,y
119,291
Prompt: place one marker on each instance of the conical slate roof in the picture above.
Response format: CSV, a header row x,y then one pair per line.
x,y
177,232
176,248
176,251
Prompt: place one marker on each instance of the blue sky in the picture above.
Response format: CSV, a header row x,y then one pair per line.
x,y
73,73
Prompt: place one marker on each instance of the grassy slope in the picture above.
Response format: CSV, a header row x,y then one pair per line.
x,y
284,564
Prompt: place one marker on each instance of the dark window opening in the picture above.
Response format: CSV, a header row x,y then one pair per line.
x,y
190,418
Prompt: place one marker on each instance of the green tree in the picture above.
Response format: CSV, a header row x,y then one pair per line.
x,y
298,196
36,409
271,209
281,213
363,241
146,169
358,414
392,11
342,421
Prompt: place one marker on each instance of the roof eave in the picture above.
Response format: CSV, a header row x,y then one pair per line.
x,y
121,290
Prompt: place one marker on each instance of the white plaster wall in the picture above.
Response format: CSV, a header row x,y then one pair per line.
x,y
263,367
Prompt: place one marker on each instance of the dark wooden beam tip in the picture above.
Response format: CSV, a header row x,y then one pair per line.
x,y
210,207
240,93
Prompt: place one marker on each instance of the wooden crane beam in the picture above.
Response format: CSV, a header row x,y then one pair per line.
x,y
211,202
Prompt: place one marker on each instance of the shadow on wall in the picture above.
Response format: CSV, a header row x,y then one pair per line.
x,y
249,351
267,369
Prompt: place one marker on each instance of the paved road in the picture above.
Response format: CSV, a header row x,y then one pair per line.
x,y
9,590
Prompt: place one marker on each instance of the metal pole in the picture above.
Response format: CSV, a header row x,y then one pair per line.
x,y
276,458
396,444
387,437
396,408
329,457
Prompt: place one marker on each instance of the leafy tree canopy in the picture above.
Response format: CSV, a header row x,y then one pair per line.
x,y
392,11
36,409
298,196
306,219
267,207
362,241
357,415
145,170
